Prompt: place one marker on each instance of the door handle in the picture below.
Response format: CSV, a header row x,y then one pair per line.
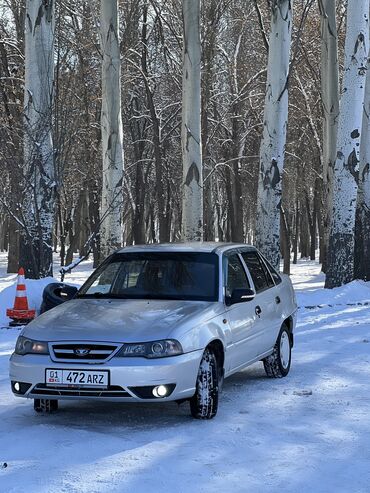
x,y
258,311
277,299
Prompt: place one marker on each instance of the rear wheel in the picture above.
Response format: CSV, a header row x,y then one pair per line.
x,y
45,405
277,365
204,403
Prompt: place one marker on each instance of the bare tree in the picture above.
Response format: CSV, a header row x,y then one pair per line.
x,y
330,103
274,132
36,219
341,241
192,201
111,124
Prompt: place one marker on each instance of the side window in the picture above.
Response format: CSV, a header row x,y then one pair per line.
x,y
273,272
261,278
104,281
236,276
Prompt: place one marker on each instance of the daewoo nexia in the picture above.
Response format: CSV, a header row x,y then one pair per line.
x,y
162,322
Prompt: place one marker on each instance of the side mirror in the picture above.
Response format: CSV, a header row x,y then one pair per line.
x,y
241,295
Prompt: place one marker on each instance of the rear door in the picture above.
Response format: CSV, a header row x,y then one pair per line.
x,y
266,302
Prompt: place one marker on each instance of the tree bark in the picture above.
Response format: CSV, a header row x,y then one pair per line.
x,y
13,246
39,190
274,133
286,241
330,103
192,200
111,124
296,233
362,230
341,243
209,50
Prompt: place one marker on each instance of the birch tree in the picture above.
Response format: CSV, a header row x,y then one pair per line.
x,y
274,132
39,184
362,231
341,241
111,126
330,103
192,199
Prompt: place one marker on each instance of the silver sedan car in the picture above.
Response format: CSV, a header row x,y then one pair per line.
x,y
162,322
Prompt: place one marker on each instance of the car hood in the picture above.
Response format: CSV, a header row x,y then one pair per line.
x,y
119,320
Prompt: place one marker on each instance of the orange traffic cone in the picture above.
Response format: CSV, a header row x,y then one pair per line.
x,y
20,313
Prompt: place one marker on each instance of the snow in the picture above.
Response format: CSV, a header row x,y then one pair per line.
x,y
306,433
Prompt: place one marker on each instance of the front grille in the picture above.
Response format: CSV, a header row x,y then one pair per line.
x,y
111,391
83,352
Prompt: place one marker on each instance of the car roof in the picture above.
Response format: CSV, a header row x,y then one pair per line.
x,y
191,246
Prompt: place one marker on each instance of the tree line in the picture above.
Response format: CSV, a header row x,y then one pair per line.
x,y
148,120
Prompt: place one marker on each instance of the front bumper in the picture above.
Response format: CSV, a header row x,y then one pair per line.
x,y
125,374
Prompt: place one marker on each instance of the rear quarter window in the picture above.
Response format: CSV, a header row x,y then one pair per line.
x,y
260,275
276,277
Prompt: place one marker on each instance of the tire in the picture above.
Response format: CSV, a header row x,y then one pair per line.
x,y
204,403
47,406
277,365
51,296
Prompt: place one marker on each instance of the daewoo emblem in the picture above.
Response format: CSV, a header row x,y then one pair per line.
x,y
81,352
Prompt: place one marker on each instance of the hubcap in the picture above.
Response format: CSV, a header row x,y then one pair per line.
x,y
284,350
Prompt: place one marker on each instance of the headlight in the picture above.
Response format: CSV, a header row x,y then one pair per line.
x,y
155,349
28,346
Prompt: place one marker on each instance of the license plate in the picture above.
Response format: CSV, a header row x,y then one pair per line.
x,y
78,378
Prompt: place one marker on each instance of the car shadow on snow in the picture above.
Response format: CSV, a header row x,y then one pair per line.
x,y
108,416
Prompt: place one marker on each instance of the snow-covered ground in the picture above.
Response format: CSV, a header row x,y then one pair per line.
x,y
309,432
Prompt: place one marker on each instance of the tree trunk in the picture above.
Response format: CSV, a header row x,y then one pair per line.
x,y
192,200
13,245
209,49
111,124
274,133
285,233
163,212
362,231
139,216
38,206
330,103
341,242
296,234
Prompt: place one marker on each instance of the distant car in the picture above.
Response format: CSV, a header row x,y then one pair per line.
x,y
162,322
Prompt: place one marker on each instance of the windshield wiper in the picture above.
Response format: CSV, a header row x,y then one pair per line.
x,y
99,294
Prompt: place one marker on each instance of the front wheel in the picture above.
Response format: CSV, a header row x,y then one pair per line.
x,y
277,365
204,403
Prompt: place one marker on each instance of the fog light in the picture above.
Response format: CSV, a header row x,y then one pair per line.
x,y
17,387
160,391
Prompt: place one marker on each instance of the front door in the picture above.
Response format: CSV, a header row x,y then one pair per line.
x,y
241,316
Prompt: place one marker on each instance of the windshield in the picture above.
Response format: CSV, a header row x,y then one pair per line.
x,y
158,275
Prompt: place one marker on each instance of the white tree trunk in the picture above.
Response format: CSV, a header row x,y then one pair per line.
x,y
38,207
192,200
274,133
330,102
362,234
341,242
111,126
